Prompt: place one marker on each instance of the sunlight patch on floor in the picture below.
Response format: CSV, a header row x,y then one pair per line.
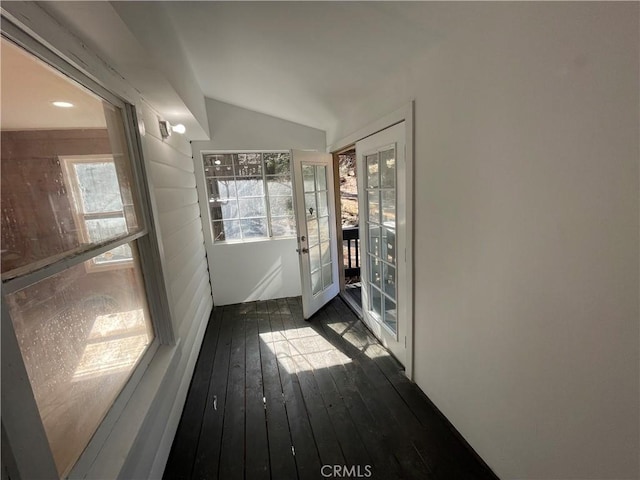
x,y
303,349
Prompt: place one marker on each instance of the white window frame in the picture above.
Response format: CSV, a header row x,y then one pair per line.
x,y
80,217
203,181
30,455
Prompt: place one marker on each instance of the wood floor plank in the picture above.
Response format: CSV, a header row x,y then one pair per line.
x,y
304,447
326,439
257,449
281,458
185,445
322,360
232,453
208,452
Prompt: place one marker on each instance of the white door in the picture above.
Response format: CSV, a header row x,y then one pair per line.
x,y
316,220
382,207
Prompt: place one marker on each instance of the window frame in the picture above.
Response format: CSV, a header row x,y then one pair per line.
x,y
265,177
80,217
21,420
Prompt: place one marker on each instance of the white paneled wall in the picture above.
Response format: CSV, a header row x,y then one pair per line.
x,y
175,202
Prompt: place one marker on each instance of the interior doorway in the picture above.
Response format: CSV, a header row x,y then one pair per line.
x,y
348,222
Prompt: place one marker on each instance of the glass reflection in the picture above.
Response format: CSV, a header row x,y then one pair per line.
x,y
81,334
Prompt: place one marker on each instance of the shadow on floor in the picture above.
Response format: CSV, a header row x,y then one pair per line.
x,y
277,397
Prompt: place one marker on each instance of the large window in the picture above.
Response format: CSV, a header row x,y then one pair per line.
x,y
250,195
73,237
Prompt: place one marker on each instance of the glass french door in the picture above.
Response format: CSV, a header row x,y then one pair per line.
x,y
381,175
315,218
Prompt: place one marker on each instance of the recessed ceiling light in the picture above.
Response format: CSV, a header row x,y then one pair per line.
x,y
61,104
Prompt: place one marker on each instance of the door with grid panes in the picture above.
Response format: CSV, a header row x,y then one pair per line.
x,y
381,178
315,218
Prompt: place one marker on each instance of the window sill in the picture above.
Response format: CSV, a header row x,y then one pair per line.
x,y
253,240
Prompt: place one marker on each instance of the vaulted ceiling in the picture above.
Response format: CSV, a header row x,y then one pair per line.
x,y
307,62
303,61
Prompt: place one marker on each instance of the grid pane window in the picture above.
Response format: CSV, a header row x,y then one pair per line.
x,y
250,195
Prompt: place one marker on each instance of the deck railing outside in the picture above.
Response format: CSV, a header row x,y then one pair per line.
x,y
351,251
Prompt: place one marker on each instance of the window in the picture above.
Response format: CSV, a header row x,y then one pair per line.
x,y
250,195
73,238
97,204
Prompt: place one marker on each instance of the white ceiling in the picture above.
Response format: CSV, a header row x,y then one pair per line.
x,y
28,88
307,62
302,61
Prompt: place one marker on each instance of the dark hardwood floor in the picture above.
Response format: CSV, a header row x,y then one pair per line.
x,y
277,397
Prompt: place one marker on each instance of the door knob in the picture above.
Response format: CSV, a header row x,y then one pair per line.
x,y
304,250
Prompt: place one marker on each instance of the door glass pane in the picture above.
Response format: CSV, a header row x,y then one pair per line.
x,y
325,252
373,175
389,207
314,258
375,298
311,209
312,232
316,282
389,245
374,240
373,200
375,271
324,229
81,334
323,204
390,317
308,178
389,276
327,275
388,168
321,177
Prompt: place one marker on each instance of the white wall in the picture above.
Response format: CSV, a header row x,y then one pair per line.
x,y
526,233
258,270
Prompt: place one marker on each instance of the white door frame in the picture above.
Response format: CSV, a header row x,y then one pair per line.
x,y
405,113
312,303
